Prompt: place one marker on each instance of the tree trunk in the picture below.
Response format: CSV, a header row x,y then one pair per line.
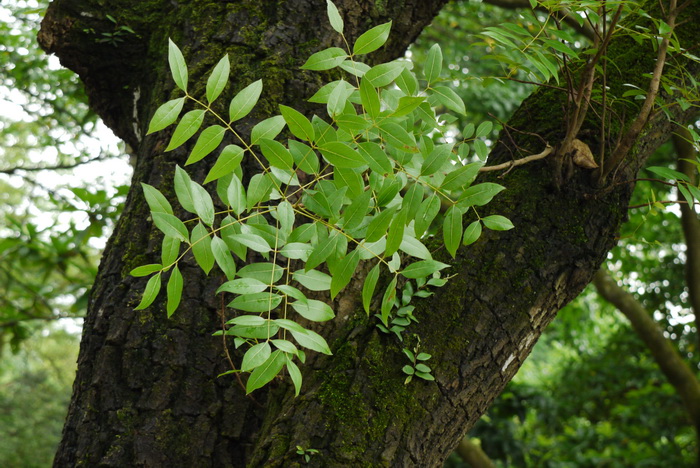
x,y
147,392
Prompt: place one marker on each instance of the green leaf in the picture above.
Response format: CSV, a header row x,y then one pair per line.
x,y
304,157
236,195
433,65
156,200
298,124
408,104
201,248
268,128
398,137
256,356
150,292
436,159
294,372
165,115
183,189
338,98
341,155
426,213
291,291
497,223
395,234
170,250
268,273
372,39
145,270
285,216
481,150
285,346
256,302
449,99
478,195
355,68
243,286
174,290
452,229
350,178
276,154
208,141
325,59
472,233
170,225
374,155
412,200
336,23
312,280
248,321
218,79
355,213
178,68
188,126
484,129
343,272
265,372
388,301
407,82
297,250
203,205
311,340
259,188
229,160
379,224
423,269
252,241
668,173
461,177
369,98
313,310
382,75
415,248
369,286
322,251
243,102
223,257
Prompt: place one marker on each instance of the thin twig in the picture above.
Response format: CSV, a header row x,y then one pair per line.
x,y
519,162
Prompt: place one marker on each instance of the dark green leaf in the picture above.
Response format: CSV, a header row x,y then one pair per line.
x,y
449,99
379,224
426,213
478,195
368,287
150,292
266,371
343,272
369,98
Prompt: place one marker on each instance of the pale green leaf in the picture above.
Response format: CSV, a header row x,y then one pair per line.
x,y
452,229
156,200
268,128
336,23
170,226
268,273
369,98
325,59
355,68
256,302
423,269
252,241
174,290
313,310
208,141
313,280
264,373
382,75
145,270
150,292
449,99
311,340
298,124
433,65
223,257
484,129
178,68
256,356
201,248
236,195
170,250
243,286
247,320
369,286
229,160
472,233
203,204
183,189
259,189
415,248
297,251
372,40
294,372
243,102
165,115
218,78
497,223
188,126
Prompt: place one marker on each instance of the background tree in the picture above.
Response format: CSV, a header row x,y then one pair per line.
x,y
144,423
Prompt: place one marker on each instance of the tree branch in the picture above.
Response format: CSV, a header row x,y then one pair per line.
x,y
666,356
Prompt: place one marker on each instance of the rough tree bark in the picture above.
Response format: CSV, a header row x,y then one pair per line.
x,y
146,391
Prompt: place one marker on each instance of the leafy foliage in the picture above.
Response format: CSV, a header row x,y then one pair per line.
x,y
367,183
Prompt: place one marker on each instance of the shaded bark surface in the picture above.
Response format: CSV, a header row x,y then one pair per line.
x,y
146,392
